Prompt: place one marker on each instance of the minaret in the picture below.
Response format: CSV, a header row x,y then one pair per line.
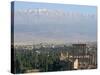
x,y
76,63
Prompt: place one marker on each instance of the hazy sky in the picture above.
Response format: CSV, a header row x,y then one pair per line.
x,y
40,22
